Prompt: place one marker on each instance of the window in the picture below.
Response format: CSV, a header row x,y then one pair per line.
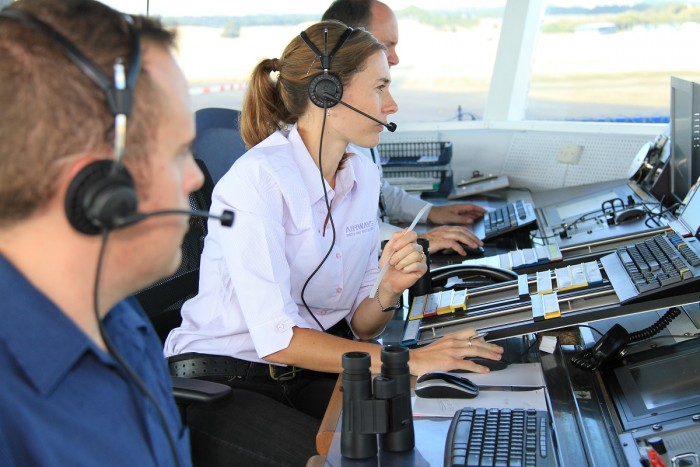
x,y
447,49
601,60
612,61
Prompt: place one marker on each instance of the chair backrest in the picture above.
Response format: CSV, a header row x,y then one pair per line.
x,y
218,142
216,146
162,300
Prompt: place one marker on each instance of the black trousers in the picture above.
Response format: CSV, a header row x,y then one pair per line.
x,y
271,419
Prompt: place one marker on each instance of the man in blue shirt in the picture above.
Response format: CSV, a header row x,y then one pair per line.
x,y
84,381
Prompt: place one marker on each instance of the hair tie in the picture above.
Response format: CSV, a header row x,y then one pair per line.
x,y
275,64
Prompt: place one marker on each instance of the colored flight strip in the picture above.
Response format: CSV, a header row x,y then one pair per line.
x,y
545,306
437,303
521,258
545,300
517,259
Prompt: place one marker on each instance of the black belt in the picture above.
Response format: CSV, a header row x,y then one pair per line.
x,y
197,365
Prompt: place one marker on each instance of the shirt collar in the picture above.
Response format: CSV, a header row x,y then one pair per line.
x,y
345,179
45,343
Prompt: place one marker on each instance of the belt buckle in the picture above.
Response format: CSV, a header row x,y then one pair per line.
x,y
286,376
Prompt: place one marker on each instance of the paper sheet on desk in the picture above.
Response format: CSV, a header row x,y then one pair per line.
x,y
534,399
515,375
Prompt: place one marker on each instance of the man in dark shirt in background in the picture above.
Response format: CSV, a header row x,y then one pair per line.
x,y
399,206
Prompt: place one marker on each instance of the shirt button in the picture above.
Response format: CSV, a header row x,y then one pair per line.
x,y
280,327
323,312
338,255
339,289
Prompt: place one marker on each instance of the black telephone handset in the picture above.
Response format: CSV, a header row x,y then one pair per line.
x,y
617,339
608,347
470,275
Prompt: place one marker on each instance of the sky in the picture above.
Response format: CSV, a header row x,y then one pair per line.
x,y
243,8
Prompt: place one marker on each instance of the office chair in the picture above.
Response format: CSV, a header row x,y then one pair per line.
x,y
162,300
216,146
218,142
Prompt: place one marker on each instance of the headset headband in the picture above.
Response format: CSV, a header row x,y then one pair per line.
x,y
326,58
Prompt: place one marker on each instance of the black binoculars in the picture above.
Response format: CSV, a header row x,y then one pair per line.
x,y
376,409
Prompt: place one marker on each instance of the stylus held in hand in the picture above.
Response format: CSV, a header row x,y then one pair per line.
x,y
382,271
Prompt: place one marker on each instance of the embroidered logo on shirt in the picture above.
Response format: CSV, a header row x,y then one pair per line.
x,y
359,229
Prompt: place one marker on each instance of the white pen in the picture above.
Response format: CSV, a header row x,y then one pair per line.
x,y
382,271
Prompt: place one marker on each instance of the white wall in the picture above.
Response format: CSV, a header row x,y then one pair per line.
x,y
530,152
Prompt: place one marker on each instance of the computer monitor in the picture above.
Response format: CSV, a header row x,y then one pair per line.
x,y
656,385
685,136
689,211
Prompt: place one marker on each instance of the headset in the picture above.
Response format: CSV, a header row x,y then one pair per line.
x,y
103,192
326,88
326,84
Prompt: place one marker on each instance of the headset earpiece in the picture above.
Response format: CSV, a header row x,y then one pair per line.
x,y
322,84
326,82
99,196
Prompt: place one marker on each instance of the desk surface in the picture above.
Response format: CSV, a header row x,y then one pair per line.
x,y
584,426
430,433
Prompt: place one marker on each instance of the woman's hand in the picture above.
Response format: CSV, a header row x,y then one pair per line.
x,y
452,352
406,259
457,213
452,237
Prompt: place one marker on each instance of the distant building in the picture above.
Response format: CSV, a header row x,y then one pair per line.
x,y
600,28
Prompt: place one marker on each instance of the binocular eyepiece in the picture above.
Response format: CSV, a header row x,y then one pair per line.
x,y
379,409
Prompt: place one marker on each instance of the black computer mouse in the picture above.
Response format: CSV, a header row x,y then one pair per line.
x,y
492,365
478,251
441,385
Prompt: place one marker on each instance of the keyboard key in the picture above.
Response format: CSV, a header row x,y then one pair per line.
x,y
550,305
498,437
578,276
459,300
542,253
652,266
431,305
516,258
507,218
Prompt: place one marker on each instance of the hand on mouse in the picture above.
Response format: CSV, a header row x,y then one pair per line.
x,y
448,353
451,236
455,213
